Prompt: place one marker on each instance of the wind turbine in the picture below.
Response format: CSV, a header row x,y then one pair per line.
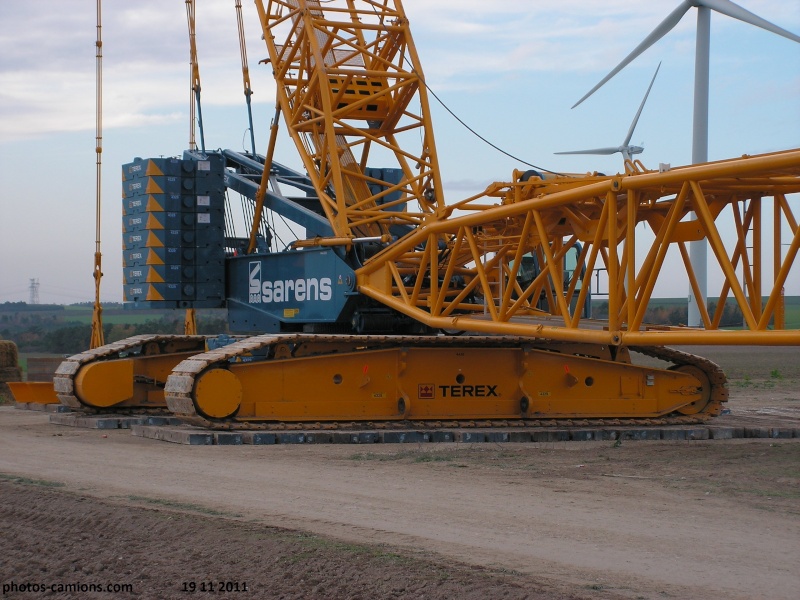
x,y
625,149
697,250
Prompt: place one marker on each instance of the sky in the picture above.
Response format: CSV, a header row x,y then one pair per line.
x,y
510,69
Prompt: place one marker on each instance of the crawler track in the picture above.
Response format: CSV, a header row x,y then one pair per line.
x,y
181,383
179,387
140,345
716,376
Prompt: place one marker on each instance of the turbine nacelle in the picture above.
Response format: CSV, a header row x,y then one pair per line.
x,y
625,148
635,149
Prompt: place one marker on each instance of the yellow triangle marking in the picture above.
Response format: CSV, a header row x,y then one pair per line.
x,y
152,294
153,204
153,222
152,170
153,187
153,241
153,258
153,276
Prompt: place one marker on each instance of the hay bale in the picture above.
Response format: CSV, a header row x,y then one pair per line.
x,y
6,397
10,374
8,354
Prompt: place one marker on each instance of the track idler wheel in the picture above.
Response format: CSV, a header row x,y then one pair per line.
x,y
104,384
217,394
705,389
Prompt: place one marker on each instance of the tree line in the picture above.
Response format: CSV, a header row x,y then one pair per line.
x,y
72,338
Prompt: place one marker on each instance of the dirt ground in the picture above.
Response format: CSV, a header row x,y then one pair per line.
x,y
639,519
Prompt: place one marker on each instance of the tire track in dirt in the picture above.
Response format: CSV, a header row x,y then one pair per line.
x,y
56,537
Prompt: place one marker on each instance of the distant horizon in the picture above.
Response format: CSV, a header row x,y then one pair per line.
x,y
90,303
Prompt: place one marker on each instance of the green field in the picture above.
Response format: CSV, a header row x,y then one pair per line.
x,y
118,318
40,329
792,307
792,312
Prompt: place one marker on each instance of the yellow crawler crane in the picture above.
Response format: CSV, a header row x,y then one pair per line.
x,y
350,89
337,67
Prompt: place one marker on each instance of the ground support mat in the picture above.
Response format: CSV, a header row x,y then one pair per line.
x,y
189,435
73,419
50,408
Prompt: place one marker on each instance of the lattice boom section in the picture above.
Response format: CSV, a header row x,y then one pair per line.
x,y
525,265
351,91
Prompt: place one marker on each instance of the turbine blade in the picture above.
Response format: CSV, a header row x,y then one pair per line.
x,y
641,106
726,7
663,28
602,151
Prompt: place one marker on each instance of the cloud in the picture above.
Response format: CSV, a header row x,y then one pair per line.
x,y
474,39
48,63
47,51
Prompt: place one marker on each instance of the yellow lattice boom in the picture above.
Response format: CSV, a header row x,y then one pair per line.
x,y
488,236
350,85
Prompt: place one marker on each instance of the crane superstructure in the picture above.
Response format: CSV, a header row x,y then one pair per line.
x,y
355,320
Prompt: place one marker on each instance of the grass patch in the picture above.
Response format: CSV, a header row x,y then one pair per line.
x,y
359,456
183,506
416,456
428,457
28,481
313,544
750,472
749,382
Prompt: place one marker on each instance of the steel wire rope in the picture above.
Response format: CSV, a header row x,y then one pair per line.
x,y
278,239
271,225
230,226
461,121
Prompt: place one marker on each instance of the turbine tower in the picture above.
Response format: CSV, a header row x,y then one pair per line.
x,y
697,250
